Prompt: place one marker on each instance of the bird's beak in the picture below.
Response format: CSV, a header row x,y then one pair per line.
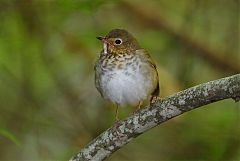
x,y
101,38
105,43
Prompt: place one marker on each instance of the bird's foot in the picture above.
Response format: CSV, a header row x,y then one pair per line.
x,y
116,123
154,99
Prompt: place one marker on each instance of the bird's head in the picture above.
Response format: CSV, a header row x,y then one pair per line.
x,y
119,41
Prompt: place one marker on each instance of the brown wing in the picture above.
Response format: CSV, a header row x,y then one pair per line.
x,y
150,61
97,77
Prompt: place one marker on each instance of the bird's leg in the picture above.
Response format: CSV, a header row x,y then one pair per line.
x,y
117,121
116,114
153,99
138,106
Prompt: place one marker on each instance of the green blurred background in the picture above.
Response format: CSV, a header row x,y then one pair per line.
x,y
49,107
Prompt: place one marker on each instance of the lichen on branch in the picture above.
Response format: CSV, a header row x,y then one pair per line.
x,y
162,110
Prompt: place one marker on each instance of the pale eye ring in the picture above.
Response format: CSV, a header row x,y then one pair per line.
x,y
118,41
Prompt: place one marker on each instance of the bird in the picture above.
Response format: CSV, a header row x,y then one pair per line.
x,y
125,74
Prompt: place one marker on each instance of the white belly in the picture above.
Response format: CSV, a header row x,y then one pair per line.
x,y
126,88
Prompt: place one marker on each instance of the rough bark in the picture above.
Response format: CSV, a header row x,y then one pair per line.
x,y
123,132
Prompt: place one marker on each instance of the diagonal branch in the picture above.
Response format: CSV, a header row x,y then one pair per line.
x,y
117,136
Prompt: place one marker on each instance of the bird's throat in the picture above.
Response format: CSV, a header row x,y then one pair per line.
x,y
105,48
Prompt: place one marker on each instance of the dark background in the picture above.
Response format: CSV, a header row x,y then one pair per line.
x,y
49,107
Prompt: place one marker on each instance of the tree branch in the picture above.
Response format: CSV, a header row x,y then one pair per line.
x,y
117,136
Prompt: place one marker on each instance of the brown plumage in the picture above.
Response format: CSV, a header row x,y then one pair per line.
x,y
125,73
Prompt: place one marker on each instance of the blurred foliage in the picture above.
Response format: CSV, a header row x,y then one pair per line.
x,y
49,107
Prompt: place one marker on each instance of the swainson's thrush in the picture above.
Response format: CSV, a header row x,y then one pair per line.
x,y
125,73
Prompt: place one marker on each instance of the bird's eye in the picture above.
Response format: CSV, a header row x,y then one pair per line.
x,y
118,41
